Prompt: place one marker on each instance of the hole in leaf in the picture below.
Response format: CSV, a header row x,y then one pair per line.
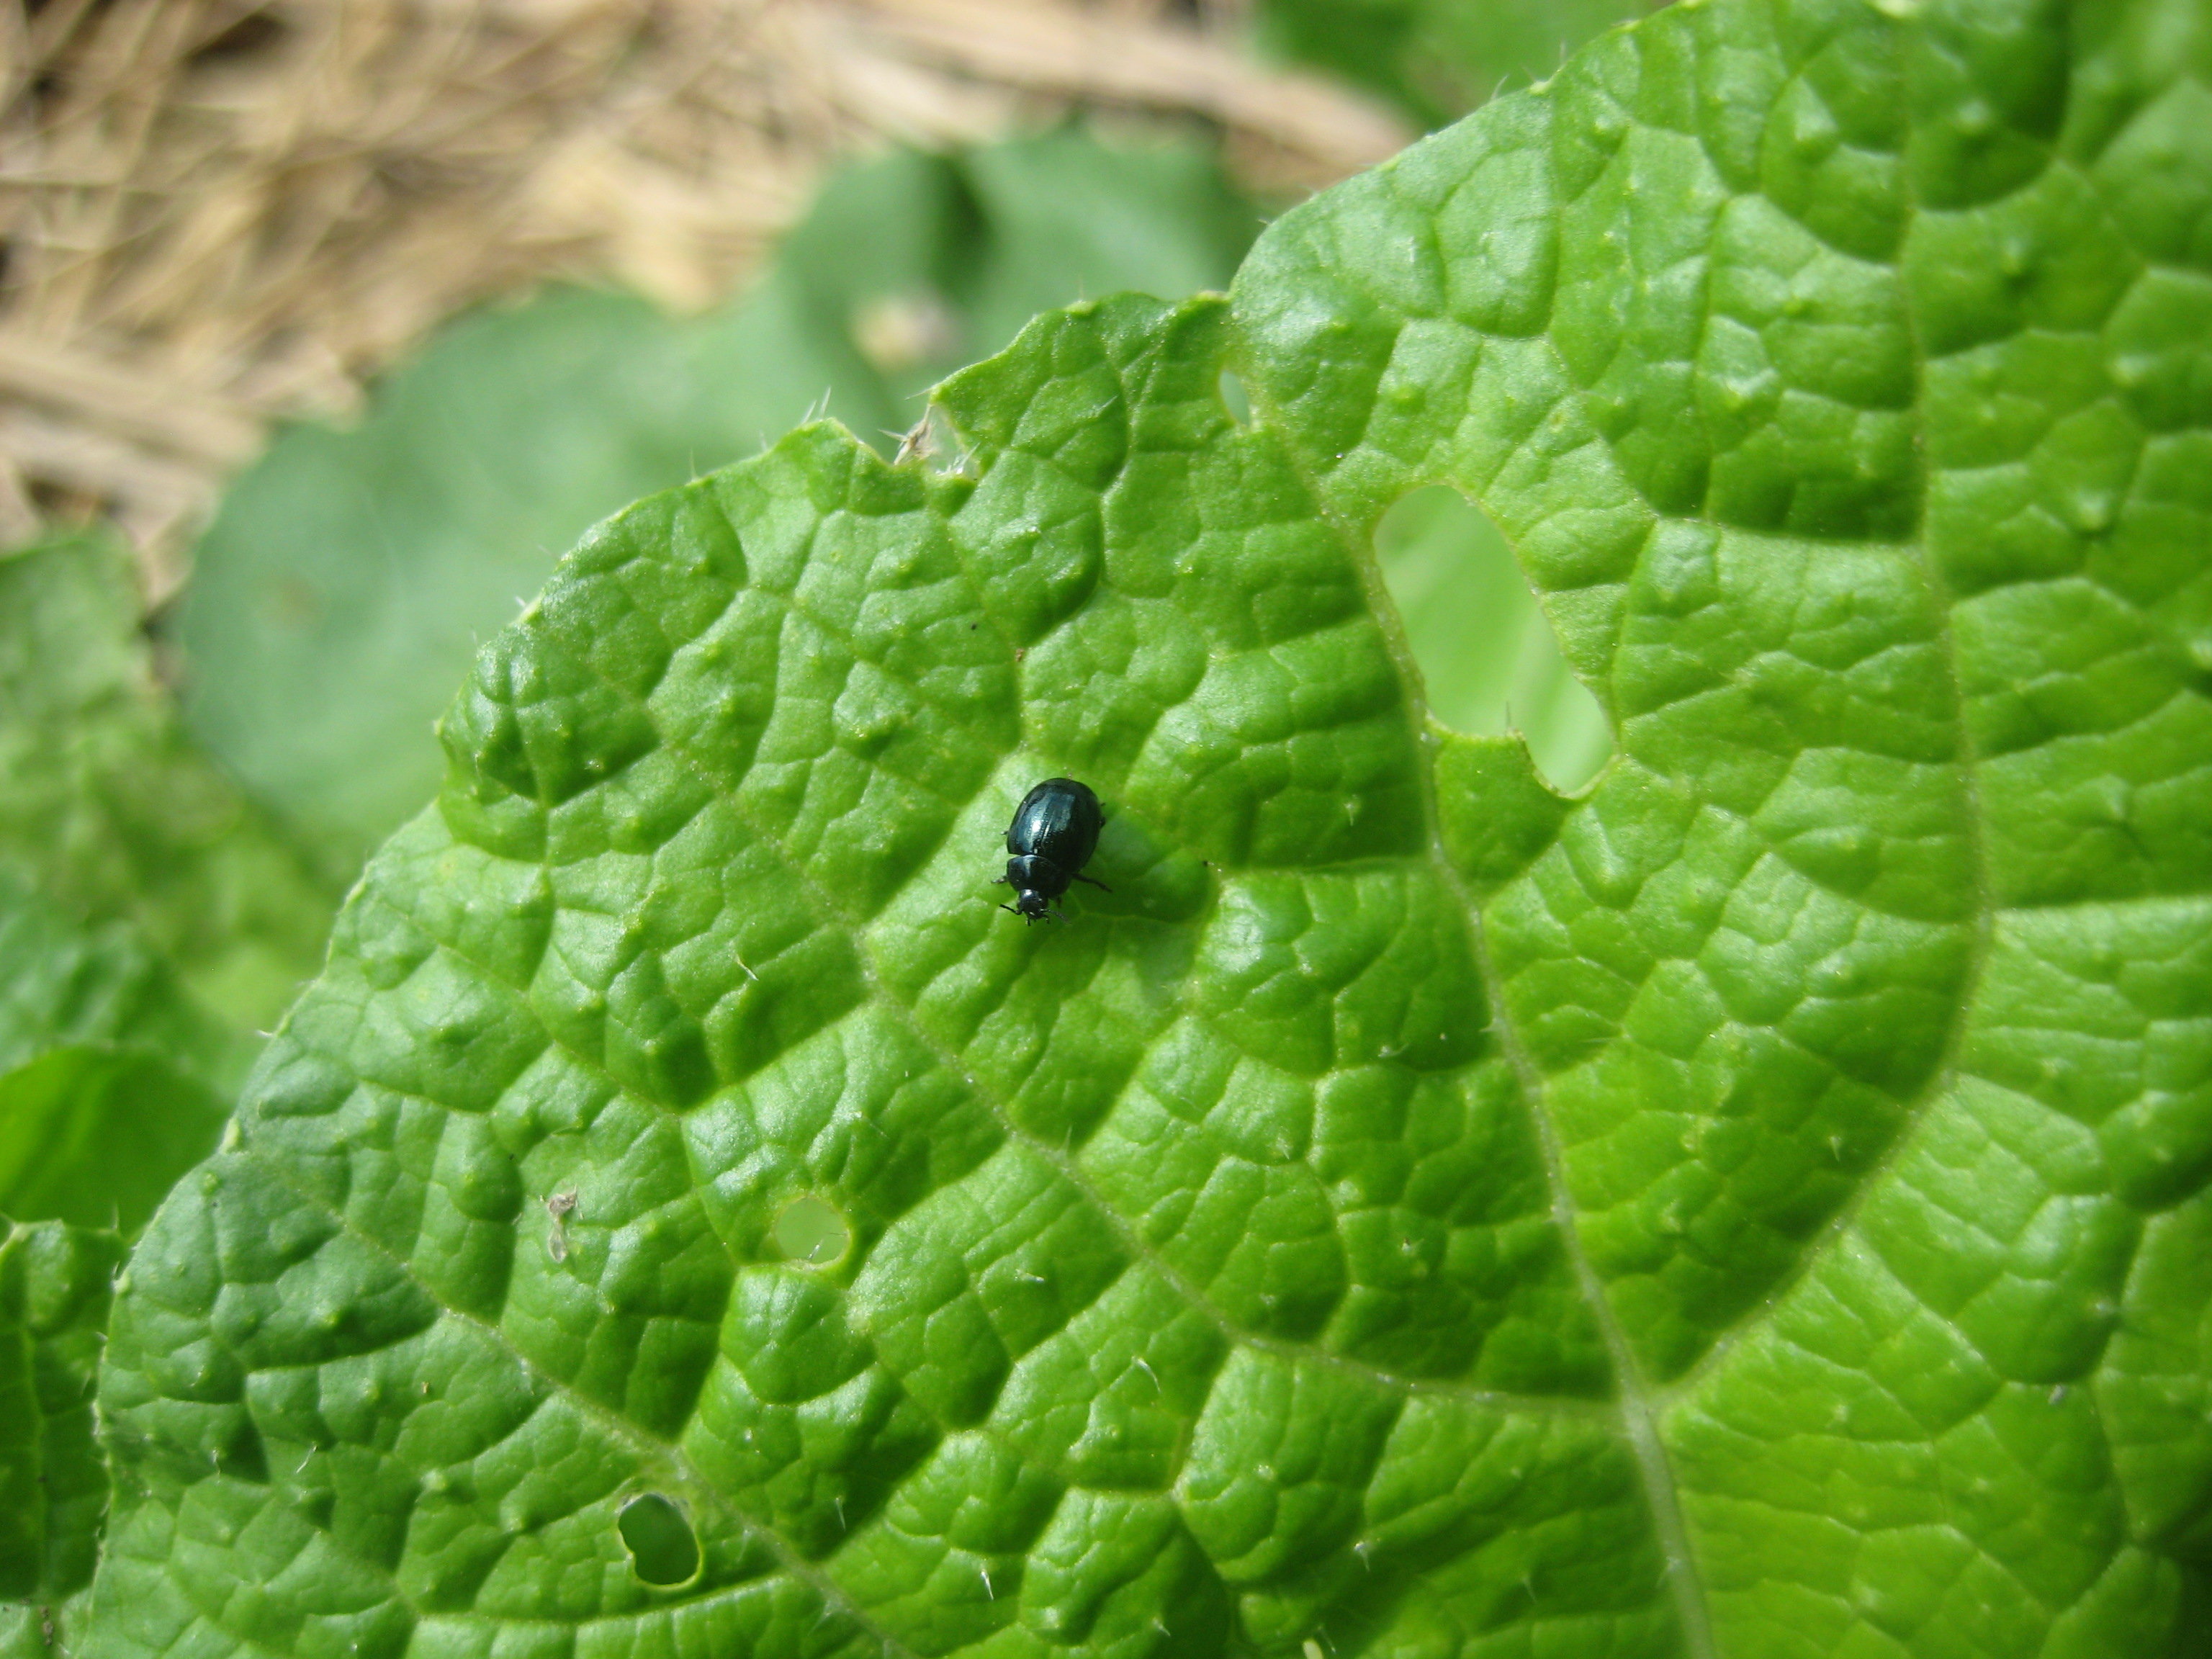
x,y
1234,398
1487,651
664,1551
811,1233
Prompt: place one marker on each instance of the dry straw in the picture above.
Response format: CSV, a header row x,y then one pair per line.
x,y
220,212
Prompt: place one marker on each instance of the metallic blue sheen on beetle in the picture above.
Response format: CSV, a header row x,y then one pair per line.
x,y
1054,834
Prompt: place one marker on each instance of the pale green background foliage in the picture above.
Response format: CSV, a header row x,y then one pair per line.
x,y
113,1080
1757,1208
111,812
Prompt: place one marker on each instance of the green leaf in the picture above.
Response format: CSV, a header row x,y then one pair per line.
x,y
112,812
350,575
54,1296
1825,375
700,932
1758,1207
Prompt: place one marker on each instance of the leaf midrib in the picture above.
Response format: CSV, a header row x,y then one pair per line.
x,y
1641,1402
1633,1404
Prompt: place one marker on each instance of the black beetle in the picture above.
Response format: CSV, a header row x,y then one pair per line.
x,y
1054,834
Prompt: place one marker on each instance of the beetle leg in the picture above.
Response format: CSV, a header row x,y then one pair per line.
x,y
1100,885
1002,881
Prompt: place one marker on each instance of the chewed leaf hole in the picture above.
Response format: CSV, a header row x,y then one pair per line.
x,y
1234,398
811,1233
1487,651
664,1551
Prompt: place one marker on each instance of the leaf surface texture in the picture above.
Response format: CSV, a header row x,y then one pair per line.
x,y
1756,1207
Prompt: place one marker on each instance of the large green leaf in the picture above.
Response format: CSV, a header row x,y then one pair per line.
x,y
351,574
1756,1209
112,812
54,1294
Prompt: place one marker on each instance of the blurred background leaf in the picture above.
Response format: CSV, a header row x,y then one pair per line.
x,y
95,1136
64,985
1436,59
112,813
113,1080
55,1283
350,576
